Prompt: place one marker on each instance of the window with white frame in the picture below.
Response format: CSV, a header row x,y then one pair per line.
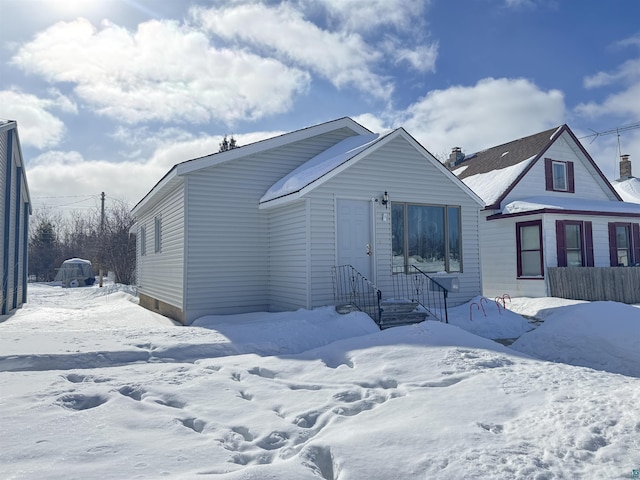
x,y
530,253
574,243
427,236
157,234
559,176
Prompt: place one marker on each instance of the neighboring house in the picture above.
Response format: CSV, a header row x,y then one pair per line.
x,y
15,208
627,186
260,227
547,205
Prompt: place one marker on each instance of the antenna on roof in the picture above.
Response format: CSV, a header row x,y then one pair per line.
x,y
617,131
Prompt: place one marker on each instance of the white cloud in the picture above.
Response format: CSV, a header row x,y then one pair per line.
x,y
56,173
489,113
628,72
422,58
625,102
519,3
163,71
341,57
366,15
36,125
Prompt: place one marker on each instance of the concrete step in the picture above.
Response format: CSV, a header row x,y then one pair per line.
x,y
399,319
346,308
398,306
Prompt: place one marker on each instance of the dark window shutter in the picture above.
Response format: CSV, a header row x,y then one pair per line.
x,y
548,174
561,244
613,248
571,184
588,244
636,243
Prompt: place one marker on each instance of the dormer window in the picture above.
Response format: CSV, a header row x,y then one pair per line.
x,y
558,176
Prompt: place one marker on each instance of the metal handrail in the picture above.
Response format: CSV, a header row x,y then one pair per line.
x,y
411,283
350,287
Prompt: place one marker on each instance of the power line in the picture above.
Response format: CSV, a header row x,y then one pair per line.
x,y
69,196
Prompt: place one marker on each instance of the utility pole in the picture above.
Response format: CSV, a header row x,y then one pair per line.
x,y
101,254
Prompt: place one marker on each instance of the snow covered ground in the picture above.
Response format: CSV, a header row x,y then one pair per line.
x,y
93,386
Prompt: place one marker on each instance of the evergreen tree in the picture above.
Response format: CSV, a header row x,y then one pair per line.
x,y
228,144
43,251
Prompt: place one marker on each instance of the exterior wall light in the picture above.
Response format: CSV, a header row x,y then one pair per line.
x,y
385,200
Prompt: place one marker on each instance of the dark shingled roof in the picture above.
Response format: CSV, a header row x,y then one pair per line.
x,y
505,155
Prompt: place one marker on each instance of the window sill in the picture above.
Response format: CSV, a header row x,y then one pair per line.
x,y
531,278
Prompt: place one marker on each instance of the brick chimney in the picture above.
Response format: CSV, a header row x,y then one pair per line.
x,y
625,167
455,157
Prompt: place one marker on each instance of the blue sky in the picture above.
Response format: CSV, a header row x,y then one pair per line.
x,y
109,94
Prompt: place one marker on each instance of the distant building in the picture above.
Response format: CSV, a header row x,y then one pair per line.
x,y
15,208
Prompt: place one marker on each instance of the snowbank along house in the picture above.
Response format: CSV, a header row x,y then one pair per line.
x,y
326,215
549,209
15,208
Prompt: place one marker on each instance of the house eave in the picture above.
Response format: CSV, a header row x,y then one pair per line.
x,y
278,202
559,211
148,199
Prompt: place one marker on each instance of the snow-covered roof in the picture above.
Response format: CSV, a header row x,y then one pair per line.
x,y
570,204
77,260
629,190
172,177
494,172
319,166
491,185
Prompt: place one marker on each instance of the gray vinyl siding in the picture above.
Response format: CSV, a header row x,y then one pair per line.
x,y
288,257
14,215
160,274
407,177
3,207
228,240
10,211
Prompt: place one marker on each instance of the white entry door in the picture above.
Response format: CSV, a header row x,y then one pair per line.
x,y
354,235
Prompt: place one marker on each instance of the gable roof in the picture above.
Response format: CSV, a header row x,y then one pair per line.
x,y
339,157
319,166
494,172
172,177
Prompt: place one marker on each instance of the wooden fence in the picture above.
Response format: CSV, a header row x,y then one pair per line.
x,y
618,284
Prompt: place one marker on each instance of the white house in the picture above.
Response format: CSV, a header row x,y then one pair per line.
x,y
15,208
260,227
547,205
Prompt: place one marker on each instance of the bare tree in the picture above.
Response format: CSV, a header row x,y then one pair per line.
x,y
55,239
